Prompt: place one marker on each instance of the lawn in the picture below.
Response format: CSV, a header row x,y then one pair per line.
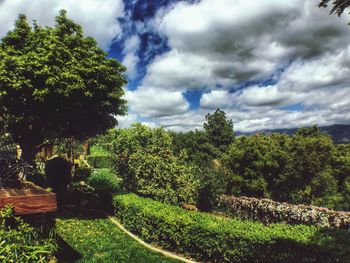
x,y
91,237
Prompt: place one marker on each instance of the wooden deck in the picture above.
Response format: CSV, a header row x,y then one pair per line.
x,y
30,200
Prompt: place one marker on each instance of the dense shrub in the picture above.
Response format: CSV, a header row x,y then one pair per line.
x,y
82,173
104,180
102,144
254,164
304,168
19,242
216,239
143,157
100,161
213,183
59,173
309,177
197,143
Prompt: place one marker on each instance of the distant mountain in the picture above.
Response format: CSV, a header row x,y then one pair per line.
x,y
340,133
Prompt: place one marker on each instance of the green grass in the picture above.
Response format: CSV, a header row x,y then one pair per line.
x,y
87,237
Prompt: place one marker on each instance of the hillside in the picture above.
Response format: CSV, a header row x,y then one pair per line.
x,y
340,133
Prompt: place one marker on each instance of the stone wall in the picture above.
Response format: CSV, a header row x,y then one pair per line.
x,y
269,211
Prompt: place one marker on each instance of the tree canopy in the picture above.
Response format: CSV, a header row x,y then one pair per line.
x,y
219,129
54,82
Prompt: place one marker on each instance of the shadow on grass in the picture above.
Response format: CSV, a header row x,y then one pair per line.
x,y
84,200
79,213
65,252
74,204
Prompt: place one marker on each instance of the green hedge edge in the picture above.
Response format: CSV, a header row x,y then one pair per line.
x,y
99,161
207,237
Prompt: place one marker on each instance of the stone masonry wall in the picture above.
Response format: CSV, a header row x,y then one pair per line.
x,y
269,211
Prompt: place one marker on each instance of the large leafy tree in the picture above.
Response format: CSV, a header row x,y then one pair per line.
x,y
196,143
309,177
254,164
56,83
219,129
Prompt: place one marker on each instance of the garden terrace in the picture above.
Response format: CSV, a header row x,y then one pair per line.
x,y
210,238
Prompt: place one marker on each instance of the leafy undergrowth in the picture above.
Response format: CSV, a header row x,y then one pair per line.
x,y
91,237
20,242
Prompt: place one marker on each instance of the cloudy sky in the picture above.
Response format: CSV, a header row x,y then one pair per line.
x,y
268,64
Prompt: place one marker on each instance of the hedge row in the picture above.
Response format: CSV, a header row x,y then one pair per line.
x,y
268,211
100,161
211,238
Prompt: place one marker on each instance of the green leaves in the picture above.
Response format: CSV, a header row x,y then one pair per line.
x,y
143,157
219,129
19,242
254,164
303,168
104,180
56,82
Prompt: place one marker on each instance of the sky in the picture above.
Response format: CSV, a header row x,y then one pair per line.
x,y
268,64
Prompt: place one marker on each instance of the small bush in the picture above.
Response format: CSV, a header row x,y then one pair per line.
x,y
82,173
100,161
59,173
19,242
210,238
103,180
213,183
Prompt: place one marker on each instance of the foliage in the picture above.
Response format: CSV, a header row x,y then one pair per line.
x,y
56,83
104,180
93,238
102,144
216,239
58,172
219,129
254,164
143,157
213,183
100,150
70,148
304,168
82,173
309,174
19,242
196,143
341,169
100,161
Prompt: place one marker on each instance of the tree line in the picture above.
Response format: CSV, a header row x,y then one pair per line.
x,y
198,166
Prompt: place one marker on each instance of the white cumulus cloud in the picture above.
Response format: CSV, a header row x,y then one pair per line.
x,y
97,17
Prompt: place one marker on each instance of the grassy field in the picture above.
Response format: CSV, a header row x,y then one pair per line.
x,y
90,237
